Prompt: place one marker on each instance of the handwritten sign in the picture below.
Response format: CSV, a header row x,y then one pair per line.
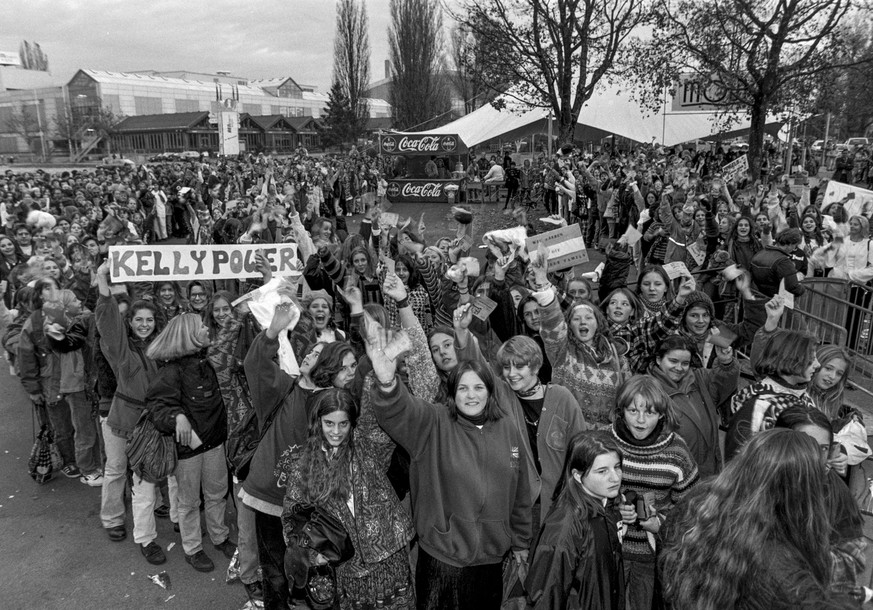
x,y
235,261
566,247
735,169
678,269
482,307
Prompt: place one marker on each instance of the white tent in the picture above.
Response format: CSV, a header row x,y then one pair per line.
x,y
607,112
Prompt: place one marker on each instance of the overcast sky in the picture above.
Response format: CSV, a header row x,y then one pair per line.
x,y
259,39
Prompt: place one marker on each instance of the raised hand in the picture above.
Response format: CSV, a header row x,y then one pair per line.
x,y
351,294
394,288
376,340
263,265
463,317
687,286
775,307
501,266
284,318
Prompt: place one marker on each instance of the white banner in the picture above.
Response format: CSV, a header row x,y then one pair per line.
x,y
234,261
860,202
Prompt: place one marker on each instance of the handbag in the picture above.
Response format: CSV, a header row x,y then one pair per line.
x,y
321,587
39,465
150,454
309,528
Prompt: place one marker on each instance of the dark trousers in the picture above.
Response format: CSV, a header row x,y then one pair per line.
x,y
440,586
271,557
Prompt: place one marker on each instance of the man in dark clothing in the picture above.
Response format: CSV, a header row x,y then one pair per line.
x,y
773,264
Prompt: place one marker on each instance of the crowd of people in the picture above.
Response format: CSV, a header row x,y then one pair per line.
x,y
589,443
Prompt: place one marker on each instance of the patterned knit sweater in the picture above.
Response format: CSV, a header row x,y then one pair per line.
x,y
665,470
592,378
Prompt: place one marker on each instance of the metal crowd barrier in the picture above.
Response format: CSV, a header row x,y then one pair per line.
x,y
839,312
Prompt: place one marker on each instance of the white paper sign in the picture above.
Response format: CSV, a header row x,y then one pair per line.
x,y
677,269
632,236
787,297
860,205
735,168
696,252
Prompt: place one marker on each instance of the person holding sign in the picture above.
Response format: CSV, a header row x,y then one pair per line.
x,y
124,344
580,347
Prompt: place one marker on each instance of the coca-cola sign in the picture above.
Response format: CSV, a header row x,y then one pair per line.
x,y
417,191
400,144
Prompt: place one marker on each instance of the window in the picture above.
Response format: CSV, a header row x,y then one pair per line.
x,y
5,117
8,144
187,105
113,103
147,105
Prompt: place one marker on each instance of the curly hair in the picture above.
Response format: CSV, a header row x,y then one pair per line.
x,y
325,475
719,543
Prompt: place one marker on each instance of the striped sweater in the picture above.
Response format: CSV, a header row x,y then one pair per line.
x,y
667,471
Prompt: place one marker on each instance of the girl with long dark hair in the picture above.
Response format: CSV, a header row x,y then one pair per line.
x,y
577,562
756,536
341,470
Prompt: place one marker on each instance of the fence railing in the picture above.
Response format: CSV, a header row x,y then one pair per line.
x,y
838,312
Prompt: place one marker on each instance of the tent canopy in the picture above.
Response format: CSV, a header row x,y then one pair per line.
x,y
609,111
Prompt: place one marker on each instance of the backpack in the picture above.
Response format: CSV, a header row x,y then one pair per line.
x,y
150,454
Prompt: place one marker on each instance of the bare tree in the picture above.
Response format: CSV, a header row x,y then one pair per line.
x,y
25,123
351,60
756,57
553,52
419,93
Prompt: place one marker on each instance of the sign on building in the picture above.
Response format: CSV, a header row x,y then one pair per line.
x,y
694,95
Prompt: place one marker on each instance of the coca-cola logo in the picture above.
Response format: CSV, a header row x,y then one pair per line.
x,y
421,191
393,189
389,143
420,144
449,143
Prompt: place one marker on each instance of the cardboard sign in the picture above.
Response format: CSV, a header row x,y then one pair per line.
x,y
388,219
860,205
566,247
678,269
787,297
696,252
482,307
174,263
736,168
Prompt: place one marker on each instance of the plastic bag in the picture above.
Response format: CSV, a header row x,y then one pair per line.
x,y
853,437
262,303
234,569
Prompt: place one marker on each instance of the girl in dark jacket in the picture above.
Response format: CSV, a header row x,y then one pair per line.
x,y
578,562
185,400
733,544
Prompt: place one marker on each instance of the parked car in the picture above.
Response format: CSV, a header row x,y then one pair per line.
x,y
853,144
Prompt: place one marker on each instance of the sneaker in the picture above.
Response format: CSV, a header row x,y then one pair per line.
x,y
200,561
162,512
71,472
117,533
95,479
255,591
153,553
227,547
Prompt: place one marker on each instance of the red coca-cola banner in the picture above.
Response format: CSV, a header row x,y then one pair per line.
x,y
414,191
419,144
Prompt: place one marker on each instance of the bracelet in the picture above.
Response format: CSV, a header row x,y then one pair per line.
x,y
404,302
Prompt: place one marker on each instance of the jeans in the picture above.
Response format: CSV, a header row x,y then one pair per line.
x,y
87,449
62,427
112,501
247,541
208,470
271,554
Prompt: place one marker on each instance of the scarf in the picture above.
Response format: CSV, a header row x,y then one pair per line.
x,y
654,307
531,392
476,420
625,434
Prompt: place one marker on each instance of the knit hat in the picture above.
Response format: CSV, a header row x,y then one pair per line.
x,y
699,299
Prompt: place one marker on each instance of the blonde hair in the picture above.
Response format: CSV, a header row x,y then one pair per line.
x,y
178,339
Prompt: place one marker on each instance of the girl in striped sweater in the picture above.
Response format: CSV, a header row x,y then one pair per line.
x,y
658,469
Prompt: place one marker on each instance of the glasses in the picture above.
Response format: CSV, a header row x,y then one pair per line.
x,y
197,295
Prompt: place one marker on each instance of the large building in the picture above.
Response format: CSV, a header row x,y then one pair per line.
x,y
139,94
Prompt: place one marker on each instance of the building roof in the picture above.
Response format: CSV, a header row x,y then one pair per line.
x,y
302,123
162,122
267,122
129,78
